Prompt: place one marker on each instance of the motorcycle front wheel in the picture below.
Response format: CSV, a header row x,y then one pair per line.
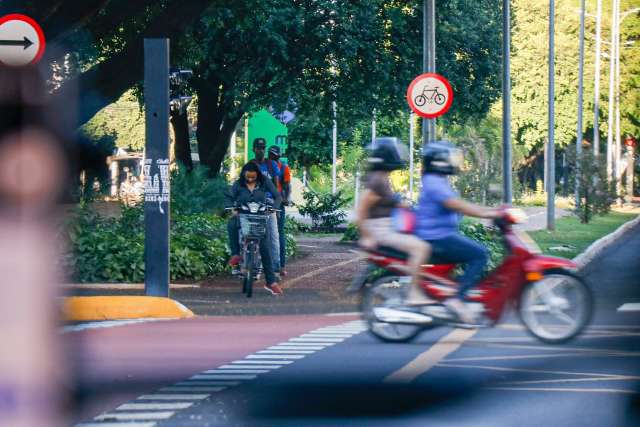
x,y
556,308
250,272
387,291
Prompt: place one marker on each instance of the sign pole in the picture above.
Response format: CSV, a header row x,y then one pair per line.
x,y
579,136
156,167
506,103
596,88
335,150
411,120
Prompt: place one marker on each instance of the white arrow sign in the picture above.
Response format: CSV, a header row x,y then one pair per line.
x,y
21,40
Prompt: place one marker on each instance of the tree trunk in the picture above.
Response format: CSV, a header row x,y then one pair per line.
x,y
180,125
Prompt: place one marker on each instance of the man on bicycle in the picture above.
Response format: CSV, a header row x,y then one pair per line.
x,y
252,186
438,216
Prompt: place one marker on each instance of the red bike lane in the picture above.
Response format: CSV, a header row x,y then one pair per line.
x,y
115,365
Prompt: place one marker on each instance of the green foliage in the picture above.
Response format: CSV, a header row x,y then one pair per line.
x,y
112,250
293,226
351,234
325,209
196,192
596,193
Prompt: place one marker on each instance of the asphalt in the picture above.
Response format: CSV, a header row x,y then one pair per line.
x,y
493,377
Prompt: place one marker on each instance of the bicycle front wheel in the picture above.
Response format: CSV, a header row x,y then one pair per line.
x,y
420,100
251,270
439,99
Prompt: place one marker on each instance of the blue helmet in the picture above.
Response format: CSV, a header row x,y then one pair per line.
x,y
441,157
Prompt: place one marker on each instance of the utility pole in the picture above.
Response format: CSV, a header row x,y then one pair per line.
x,y
335,149
579,136
411,143
429,60
612,70
596,90
506,103
550,160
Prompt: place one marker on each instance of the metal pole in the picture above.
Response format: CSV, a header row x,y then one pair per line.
x,y
617,101
357,190
579,136
233,154
246,138
335,150
373,128
506,103
612,61
551,176
630,165
596,89
429,60
411,142
156,167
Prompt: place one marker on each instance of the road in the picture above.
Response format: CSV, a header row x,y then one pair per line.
x,y
320,370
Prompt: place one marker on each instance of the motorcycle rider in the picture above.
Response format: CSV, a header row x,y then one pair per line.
x,y
373,214
438,216
252,186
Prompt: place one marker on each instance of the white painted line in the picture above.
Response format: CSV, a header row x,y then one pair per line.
x,y
133,416
173,389
286,347
108,324
286,351
173,397
629,307
250,366
263,362
427,360
314,335
134,424
236,371
153,406
304,344
572,390
318,340
222,377
206,383
350,313
275,356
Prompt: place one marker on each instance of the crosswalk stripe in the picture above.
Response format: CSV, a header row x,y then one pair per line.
x,y
236,371
274,356
223,377
198,383
173,397
192,389
133,424
629,307
250,366
286,347
318,340
265,362
153,406
132,416
286,351
303,344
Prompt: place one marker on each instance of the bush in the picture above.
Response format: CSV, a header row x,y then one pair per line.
x,y
195,192
325,209
112,249
351,234
596,193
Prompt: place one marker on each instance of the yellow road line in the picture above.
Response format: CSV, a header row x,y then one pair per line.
x,y
289,283
427,360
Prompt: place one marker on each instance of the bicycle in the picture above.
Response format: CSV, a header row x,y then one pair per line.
x,y
436,97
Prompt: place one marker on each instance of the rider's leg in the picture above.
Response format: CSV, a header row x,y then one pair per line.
x,y
267,261
283,238
274,241
459,249
232,230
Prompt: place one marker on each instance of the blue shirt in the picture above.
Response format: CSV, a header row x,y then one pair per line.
x,y
271,171
434,220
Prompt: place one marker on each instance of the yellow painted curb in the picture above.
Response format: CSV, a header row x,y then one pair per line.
x,y
81,309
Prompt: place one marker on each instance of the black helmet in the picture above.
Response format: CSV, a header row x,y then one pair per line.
x,y
441,157
387,154
275,150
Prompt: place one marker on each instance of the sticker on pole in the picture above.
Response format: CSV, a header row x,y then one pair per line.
x,y
21,40
430,95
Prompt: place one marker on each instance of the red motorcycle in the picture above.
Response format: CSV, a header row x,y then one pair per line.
x,y
553,302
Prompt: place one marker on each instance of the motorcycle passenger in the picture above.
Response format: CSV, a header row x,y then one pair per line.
x,y
438,216
373,214
284,187
252,186
269,169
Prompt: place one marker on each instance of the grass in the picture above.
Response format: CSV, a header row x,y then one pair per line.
x,y
576,237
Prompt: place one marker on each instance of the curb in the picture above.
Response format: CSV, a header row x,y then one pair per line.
x,y
83,309
597,247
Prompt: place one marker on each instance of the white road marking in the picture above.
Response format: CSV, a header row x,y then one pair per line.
x,y
236,371
304,344
132,416
134,424
318,340
629,307
153,406
320,270
351,313
250,366
327,335
263,362
517,357
108,324
173,397
286,347
173,389
535,371
576,380
275,356
206,383
572,390
286,351
427,360
222,377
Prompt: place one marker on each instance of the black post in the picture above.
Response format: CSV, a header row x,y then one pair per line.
x,y
156,167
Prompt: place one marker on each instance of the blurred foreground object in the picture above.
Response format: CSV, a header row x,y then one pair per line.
x,y
32,176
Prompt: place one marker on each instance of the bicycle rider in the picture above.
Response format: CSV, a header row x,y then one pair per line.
x,y
373,214
438,216
252,186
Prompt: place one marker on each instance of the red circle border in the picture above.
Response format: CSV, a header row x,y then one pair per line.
x,y
35,25
437,77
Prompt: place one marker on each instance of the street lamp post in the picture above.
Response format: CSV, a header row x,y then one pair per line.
x,y
613,49
506,102
580,93
596,90
550,160
334,149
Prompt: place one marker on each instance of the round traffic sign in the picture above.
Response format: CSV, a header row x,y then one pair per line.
x,y
21,40
430,95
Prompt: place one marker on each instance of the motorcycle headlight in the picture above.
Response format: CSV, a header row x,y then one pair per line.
x,y
253,207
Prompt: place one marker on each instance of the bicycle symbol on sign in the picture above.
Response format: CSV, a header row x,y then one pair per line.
x,y
431,95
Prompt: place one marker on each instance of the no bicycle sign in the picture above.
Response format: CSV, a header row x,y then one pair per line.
x,y
430,95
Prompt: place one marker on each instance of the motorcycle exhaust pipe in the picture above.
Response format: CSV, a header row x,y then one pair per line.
x,y
391,315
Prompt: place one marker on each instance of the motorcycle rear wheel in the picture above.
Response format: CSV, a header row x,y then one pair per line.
x,y
387,291
556,308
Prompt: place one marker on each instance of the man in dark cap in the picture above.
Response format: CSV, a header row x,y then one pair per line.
x,y
284,187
